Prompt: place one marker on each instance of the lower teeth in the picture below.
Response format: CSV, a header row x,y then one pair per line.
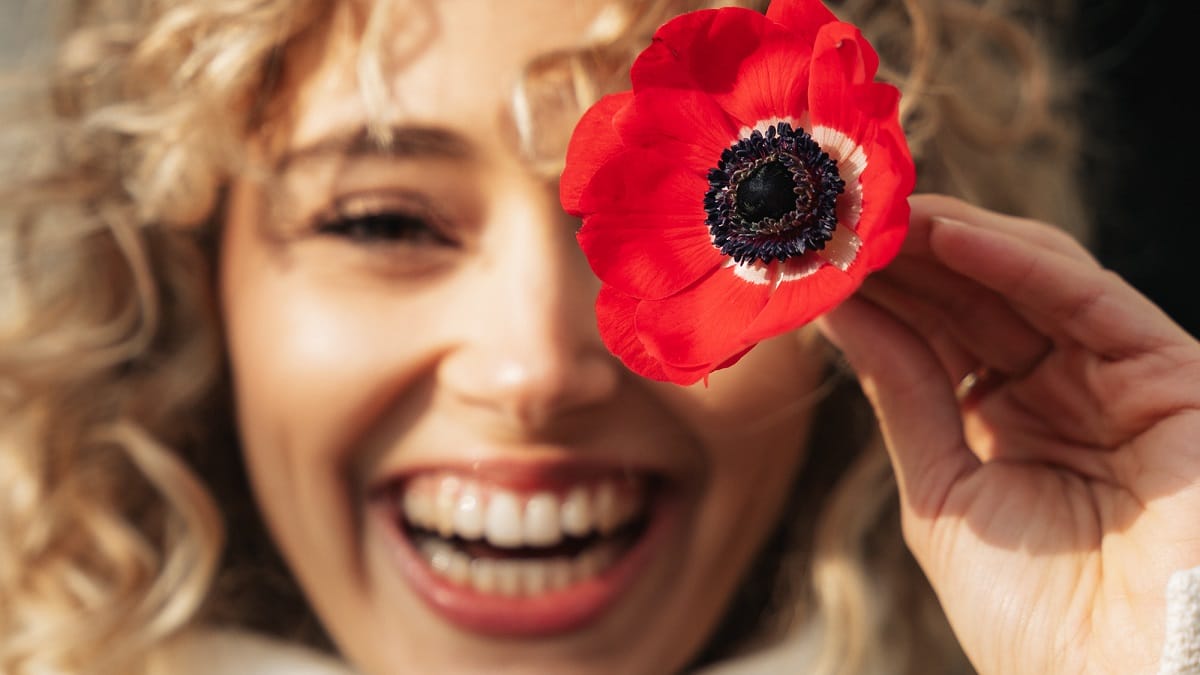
x,y
517,577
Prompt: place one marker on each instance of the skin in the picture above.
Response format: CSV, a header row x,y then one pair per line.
x,y
354,358
1050,507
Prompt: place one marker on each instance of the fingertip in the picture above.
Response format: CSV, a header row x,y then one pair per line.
x,y
925,207
940,216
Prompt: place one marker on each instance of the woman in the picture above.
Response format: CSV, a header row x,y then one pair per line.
x,y
325,242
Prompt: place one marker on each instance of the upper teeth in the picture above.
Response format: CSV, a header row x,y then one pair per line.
x,y
453,505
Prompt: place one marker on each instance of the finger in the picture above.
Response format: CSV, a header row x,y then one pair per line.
x,y
912,398
1092,306
924,319
927,208
982,322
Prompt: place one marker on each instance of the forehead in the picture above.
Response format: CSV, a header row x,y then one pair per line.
x,y
444,63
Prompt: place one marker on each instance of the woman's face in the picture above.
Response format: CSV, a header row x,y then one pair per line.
x,y
458,473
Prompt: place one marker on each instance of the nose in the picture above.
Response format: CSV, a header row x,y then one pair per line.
x,y
530,353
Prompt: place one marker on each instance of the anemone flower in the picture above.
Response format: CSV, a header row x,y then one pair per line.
x,y
747,183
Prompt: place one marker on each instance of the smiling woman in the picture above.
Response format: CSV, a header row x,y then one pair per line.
x,y
410,344
305,373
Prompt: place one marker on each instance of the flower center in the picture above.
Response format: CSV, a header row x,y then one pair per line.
x,y
768,192
773,196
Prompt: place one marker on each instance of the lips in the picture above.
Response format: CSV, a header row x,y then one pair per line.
x,y
523,554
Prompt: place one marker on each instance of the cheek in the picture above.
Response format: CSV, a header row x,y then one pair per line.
x,y
282,354
755,414
753,421
283,344
293,356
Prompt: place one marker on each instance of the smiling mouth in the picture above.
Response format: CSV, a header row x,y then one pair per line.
x,y
521,543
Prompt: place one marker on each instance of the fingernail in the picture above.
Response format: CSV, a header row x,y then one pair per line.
x,y
950,222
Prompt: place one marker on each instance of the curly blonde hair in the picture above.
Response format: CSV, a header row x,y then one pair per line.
x,y
115,432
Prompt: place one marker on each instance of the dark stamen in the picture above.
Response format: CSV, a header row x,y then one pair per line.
x,y
773,196
768,192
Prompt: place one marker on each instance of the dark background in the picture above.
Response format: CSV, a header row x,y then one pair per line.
x,y
1139,61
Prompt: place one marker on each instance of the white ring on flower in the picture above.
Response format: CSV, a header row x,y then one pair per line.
x,y
852,162
842,250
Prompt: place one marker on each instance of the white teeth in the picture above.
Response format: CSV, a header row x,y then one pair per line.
x,y
516,577
504,521
576,513
508,578
417,508
533,577
483,575
456,506
445,504
439,558
541,520
449,506
460,569
558,573
468,517
606,514
588,564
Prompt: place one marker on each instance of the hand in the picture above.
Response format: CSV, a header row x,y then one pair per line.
x,y
1049,505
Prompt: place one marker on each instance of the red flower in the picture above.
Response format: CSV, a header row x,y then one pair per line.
x,y
751,179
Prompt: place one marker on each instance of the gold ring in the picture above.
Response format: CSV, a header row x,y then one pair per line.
x,y
971,382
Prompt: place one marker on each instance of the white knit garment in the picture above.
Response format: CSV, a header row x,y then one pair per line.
x,y
211,652
222,652
1181,652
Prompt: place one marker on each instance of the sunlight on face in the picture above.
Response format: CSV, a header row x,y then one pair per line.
x,y
456,470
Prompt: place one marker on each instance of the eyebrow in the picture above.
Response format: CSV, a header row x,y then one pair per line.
x,y
405,142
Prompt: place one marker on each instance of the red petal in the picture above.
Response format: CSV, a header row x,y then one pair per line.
x,y
841,60
859,60
886,245
877,100
893,145
661,65
641,181
703,325
593,143
795,303
731,360
880,194
803,17
615,313
864,111
686,126
753,67
670,60
772,83
887,182
648,256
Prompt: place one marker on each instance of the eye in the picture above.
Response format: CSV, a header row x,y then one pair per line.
x,y
384,221
385,228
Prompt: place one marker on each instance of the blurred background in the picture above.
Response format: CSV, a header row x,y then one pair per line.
x,y
1135,53
1132,56
23,26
